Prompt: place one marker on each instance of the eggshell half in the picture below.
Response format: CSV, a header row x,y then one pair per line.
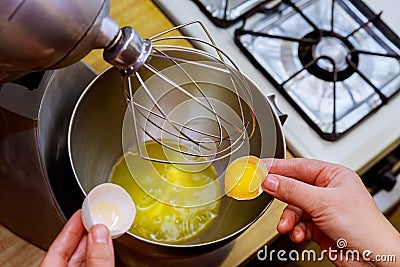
x,y
231,177
111,205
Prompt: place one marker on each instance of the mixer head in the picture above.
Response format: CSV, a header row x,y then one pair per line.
x,y
188,96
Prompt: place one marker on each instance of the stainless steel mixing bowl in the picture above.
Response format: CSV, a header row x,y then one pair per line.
x,y
95,144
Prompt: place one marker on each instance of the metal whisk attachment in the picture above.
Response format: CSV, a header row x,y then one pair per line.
x,y
185,94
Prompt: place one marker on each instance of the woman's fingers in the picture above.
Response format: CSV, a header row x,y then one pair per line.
x,y
79,257
100,250
302,231
304,196
289,218
64,246
73,248
296,224
313,172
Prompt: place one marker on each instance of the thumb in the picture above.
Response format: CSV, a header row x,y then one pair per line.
x,y
100,251
293,192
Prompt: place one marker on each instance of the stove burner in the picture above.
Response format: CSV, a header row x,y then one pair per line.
x,y
329,48
335,61
224,13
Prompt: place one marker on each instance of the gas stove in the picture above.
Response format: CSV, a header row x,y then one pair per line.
x,y
334,61
338,79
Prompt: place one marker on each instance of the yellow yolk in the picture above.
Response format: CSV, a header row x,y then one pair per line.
x,y
243,178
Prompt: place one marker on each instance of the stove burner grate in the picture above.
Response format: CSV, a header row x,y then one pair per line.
x,y
224,13
335,61
327,57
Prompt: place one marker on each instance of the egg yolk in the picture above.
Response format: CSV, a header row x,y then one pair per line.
x,y
243,179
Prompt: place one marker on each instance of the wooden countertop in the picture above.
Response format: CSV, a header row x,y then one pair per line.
x,y
144,16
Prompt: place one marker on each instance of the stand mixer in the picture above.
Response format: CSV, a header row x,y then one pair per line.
x,y
47,34
66,33
38,36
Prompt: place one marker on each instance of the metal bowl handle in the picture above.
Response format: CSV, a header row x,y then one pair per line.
x,y
282,116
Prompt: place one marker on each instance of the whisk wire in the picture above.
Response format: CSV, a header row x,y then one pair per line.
x,y
220,53
165,116
177,86
154,118
199,90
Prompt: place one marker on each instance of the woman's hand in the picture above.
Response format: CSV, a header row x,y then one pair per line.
x,y
74,247
328,202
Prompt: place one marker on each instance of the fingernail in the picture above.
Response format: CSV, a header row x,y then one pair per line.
x,y
271,183
100,234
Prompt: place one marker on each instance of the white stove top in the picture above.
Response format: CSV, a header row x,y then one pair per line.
x,y
359,147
